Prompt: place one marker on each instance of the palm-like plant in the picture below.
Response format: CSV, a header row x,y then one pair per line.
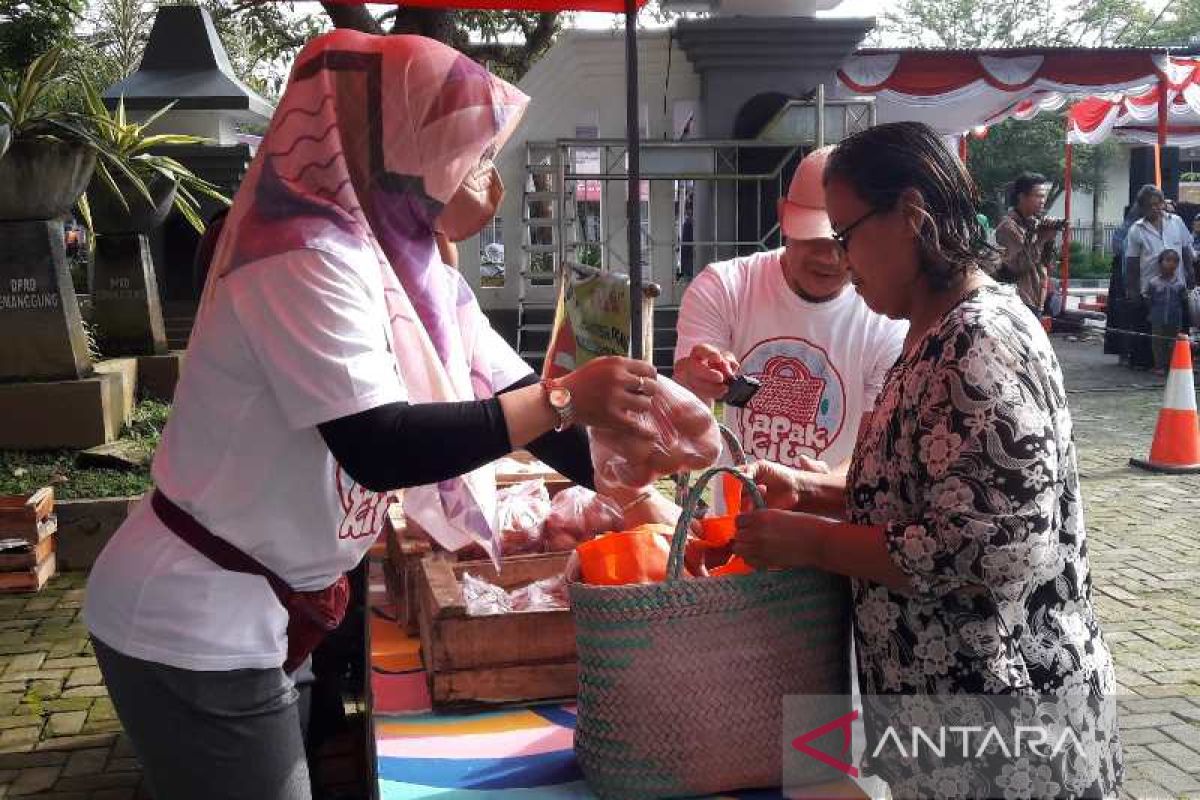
x,y
25,110
27,113
127,147
124,161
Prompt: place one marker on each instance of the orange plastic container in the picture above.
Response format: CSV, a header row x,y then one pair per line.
x,y
734,566
732,489
718,531
635,556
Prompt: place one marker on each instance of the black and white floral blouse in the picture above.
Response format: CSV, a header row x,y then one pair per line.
x,y
970,464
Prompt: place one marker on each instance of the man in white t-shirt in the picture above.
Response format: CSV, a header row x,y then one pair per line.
x,y
791,319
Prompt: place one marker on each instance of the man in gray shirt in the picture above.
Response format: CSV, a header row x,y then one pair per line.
x,y
1155,230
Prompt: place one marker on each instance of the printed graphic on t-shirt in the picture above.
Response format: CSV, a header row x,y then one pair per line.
x,y
801,407
364,509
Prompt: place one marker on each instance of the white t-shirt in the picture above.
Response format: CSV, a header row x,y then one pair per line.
x,y
821,364
1145,242
288,342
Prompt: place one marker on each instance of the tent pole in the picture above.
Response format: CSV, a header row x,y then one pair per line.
x,y
1064,276
633,212
1163,87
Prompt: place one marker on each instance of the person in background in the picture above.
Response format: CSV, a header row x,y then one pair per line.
x,y
335,359
1165,297
960,522
1026,239
1154,231
1115,342
791,319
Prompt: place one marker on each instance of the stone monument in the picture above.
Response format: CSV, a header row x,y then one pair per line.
x,y
126,307
51,394
186,64
39,312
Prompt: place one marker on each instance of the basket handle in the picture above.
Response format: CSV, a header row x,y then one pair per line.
x,y
679,540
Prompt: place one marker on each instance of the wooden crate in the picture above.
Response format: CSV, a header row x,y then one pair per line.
x,y
504,658
407,544
28,557
531,470
29,580
29,517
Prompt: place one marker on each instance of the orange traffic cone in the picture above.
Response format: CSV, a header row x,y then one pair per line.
x,y
1176,445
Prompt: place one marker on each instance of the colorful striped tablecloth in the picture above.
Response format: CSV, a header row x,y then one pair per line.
x,y
513,754
518,754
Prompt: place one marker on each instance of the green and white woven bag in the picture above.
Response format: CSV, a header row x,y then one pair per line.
x,y
681,684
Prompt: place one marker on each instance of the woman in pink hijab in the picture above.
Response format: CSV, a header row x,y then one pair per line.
x,y
335,359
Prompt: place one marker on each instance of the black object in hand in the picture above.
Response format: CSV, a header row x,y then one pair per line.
x,y
1052,224
742,389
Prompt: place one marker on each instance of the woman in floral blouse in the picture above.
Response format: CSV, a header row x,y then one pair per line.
x,y
960,520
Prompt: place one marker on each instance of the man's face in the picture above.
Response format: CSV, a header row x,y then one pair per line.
x,y
1033,202
816,267
1155,210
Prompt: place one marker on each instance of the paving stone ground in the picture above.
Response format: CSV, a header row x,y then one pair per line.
x,y
1144,532
59,738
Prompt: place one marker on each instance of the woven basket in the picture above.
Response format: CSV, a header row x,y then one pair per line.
x,y
681,684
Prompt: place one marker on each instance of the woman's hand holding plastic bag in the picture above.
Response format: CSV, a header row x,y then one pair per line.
x,y
614,393
684,437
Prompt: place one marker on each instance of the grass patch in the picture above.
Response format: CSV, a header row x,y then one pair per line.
x,y
22,472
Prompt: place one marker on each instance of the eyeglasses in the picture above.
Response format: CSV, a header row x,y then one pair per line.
x,y
842,237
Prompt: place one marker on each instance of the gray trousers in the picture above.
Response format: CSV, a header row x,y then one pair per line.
x,y
209,735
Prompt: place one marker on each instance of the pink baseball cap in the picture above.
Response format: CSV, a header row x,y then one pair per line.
x,y
802,213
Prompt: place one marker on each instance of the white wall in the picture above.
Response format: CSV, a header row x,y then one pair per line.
x,y
1113,202
581,81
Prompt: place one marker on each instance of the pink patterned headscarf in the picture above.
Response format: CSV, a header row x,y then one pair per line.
x,y
373,136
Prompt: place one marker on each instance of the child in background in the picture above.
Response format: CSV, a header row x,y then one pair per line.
x,y
1166,297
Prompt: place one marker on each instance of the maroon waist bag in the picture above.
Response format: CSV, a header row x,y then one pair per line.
x,y
311,615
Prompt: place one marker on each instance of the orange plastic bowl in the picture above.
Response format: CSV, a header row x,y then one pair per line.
x,y
718,531
735,566
616,559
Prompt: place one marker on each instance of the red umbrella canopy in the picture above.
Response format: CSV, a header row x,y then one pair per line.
x,y
614,6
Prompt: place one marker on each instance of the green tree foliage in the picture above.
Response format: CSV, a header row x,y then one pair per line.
x,y
120,30
29,28
1026,23
1037,145
269,34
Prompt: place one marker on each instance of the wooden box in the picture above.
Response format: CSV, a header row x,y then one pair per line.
x,y
29,517
27,557
502,658
520,466
30,579
401,570
29,522
407,543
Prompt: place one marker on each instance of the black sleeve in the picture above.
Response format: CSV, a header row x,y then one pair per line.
x,y
567,451
399,445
